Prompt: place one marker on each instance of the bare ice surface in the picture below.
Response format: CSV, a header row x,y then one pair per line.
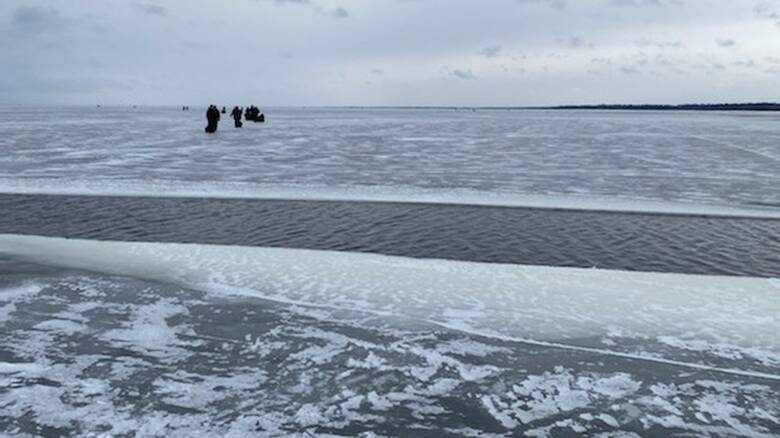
x,y
91,353
533,302
706,163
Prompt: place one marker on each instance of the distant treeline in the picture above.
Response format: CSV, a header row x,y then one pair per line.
x,y
763,106
760,106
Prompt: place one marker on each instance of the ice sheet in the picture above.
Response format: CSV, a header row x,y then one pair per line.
x,y
433,155
157,359
548,305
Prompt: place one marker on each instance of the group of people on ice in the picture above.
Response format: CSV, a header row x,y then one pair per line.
x,y
251,113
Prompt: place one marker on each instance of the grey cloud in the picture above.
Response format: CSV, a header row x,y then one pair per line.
x,y
194,45
463,74
726,43
766,10
557,4
577,42
150,9
644,39
644,42
635,3
34,19
662,60
339,13
746,64
58,84
491,51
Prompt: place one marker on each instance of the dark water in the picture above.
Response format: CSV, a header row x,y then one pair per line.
x,y
639,242
85,353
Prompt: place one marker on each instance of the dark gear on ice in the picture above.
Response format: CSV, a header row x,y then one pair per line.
x,y
253,113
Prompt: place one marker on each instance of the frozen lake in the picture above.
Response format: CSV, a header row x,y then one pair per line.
x,y
523,273
559,158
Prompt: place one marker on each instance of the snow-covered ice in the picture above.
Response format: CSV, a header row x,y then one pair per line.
x,y
706,163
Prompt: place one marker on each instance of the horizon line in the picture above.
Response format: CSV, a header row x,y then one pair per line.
x,y
468,107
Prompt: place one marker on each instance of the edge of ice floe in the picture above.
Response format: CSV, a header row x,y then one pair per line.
x,y
383,194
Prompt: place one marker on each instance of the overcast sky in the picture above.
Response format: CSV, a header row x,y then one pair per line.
x,y
389,52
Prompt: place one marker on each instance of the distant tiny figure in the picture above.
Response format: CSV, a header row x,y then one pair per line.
x,y
224,111
236,113
212,116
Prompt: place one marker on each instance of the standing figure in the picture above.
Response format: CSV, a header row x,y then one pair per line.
x,y
212,116
224,111
236,113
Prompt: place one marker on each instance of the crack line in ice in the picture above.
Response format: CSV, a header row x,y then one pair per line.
x,y
744,373
465,330
527,341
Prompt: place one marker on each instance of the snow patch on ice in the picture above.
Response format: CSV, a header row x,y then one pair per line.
x,y
21,367
61,326
11,295
149,333
545,395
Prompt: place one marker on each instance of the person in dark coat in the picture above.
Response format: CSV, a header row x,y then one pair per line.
x,y
236,113
212,117
224,110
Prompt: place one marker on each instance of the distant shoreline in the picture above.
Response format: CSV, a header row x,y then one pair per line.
x,y
761,106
